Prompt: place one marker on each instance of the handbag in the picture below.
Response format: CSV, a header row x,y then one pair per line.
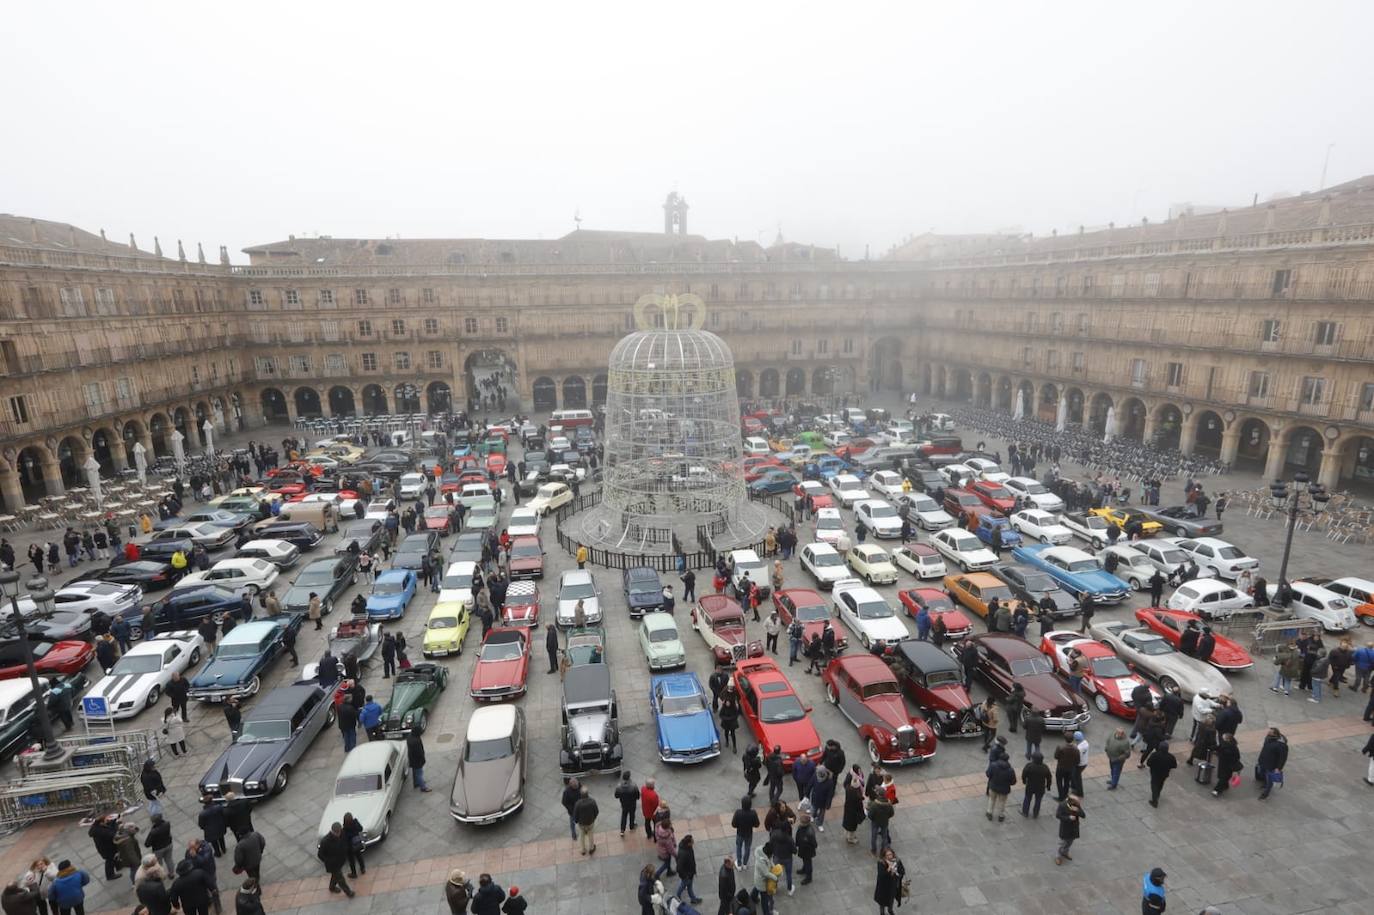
x,y
155,808
1274,777
1235,780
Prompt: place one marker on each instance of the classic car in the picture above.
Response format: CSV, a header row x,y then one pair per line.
x,y
720,622
211,536
589,737
577,586
920,560
58,626
328,578
242,576
241,657
1038,524
1086,526
413,485
1106,678
164,549
520,606
107,597
963,550
885,484
440,519
934,683
746,564
867,614
1210,598
1128,520
523,522
526,558
871,563
413,548
1164,556
255,508
824,564
829,526
1313,602
369,786
1218,557
1226,654
772,482
879,517
19,708
977,590
489,784
503,665
1005,659
281,554
773,711
816,491
1076,571
187,609
755,468
1180,520
923,511
659,640
1032,492
987,470
585,646
413,694
549,497
467,547
994,495
65,657
142,673
809,607
869,694
446,629
848,489
301,534
357,636
1033,586
925,478
1359,591
392,592
277,730
957,474
682,717
938,604
643,590
147,574
456,585
1153,656
991,527
480,516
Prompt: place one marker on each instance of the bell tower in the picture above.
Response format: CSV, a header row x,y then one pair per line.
x,y
675,215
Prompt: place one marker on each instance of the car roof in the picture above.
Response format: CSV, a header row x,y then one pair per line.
x,y
800,595
574,576
1008,645
491,722
249,633
367,758
986,579
461,567
267,544
521,589
820,546
658,620
282,701
865,668
745,556
680,683
587,683
1066,552
12,690
641,573
717,604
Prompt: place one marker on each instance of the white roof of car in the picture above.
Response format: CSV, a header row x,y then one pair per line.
x,y
465,567
368,758
240,562
659,620
1206,585
12,690
844,479
574,576
271,546
744,556
1070,553
870,549
1364,584
820,547
523,511
249,633
490,722
827,513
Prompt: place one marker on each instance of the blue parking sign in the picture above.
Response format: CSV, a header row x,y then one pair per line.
x,y
95,707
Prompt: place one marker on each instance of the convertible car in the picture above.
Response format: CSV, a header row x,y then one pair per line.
x,y
682,718
1076,571
241,658
867,692
416,690
1159,660
277,730
1106,677
503,664
937,604
1226,655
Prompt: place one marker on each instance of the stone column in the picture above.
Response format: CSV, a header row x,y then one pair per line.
x,y
1273,465
118,457
52,475
1329,474
11,490
1230,444
193,438
1187,436
1149,432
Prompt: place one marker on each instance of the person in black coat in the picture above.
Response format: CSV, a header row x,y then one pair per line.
x,y
1273,756
1160,763
102,833
190,891
248,900
248,854
178,692
551,646
1206,645
488,898
152,892
687,869
233,716
516,904
725,886
105,652
18,900
213,824
807,843
627,793
774,781
1228,717
729,724
333,854
891,873
1228,763
327,671
238,813
753,767
151,779
348,724
1187,642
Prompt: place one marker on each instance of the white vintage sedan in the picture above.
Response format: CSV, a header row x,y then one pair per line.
x,y
660,642
140,677
988,470
867,615
549,497
369,785
523,522
824,564
885,483
871,563
1040,525
242,576
924,511
1209,598
1223,559
920,560
848,489
879,517
963,550
1034,491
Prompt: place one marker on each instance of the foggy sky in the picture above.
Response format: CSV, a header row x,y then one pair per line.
x,y
845,123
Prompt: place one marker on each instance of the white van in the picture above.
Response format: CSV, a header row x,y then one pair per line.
x,y
753,445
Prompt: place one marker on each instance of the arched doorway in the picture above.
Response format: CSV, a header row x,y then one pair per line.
x,y
545,394
1253,449
1130,419
983,398
181,418
308,403
768,383
1357,465
926,385
71,456
236,410
598,390
963,385
1048,408
100,447
1004,394
219,414
885,370
341,401
203,413
1168,426
796,382
1209,430
274,406
574,393
29,464
374,400
439,397
1302,450
1098,408
491,379
1025,396
744,383
131,435
160,430
406,397
822,382
941,379
1074,416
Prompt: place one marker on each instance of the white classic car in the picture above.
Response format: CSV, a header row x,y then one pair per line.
x,y
242,576
1037,524
141,675
867,615
823,563
924,511
369,785
871,563
963,549
1033,491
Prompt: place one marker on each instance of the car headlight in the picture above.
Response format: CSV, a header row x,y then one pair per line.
x,y
408,719
210,786
253,786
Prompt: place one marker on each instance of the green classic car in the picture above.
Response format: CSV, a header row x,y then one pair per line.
x,y
586,646
417,689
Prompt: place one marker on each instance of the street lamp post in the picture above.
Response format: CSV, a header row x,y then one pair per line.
x,y
44,599
1291,494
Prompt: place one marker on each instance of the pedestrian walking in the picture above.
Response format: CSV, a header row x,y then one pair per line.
x,y
687,870
1273,756
1228,764
1065,767
879,819
191,890
753,767
744,822
348,724
1035,778
803,775
689,585
1160,763
415,750
333,854
773,767
988,720
584,813
238,814
725,886
173,732
1369,751
729,723
103,833
1069,814
1152,901
353,844
1001,777
314,610
796,633
771,629
159,841
648,806
627,793
891,881
179,693
1034,725
821,796
1118,750
248,900
248,851
665,845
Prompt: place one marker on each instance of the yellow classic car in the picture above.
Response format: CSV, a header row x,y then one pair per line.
x,y
1123,516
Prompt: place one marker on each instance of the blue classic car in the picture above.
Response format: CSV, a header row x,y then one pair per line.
x,y
686,731
643,590
186,609
988,523
827,466
241,657
391,594
772,483
1076,571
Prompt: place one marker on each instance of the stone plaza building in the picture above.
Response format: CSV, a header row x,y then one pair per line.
x,y
1246,333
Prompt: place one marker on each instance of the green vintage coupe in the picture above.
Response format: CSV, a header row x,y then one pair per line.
x,y
417,689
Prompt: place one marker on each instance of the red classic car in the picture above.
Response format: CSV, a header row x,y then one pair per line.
x,y
439,518
963,503
496,464
934,682
995,496
855,447
755,467
503,663
453,482
287,486
1107,679
811,609
1226,655
521,604
751,426
774,712
720,622
819,493
938,605
49,658
867,692
526,558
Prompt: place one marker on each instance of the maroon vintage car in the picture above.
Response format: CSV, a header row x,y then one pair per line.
x,y
720,622
866,691
526,558
811,609
521,604
934,682
1005,659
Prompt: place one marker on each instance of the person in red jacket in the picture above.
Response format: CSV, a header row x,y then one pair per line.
x,y
648,803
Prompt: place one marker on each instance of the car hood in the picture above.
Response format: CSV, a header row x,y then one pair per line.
x,y
670,649
123,687
1099,580
591,606
225,672
439,636
1191,674
686,732
949,698
795,737
1119,687
1229,655
831,573
480,788
385,603
1044,691
588,726
528,562
955,620
491,674
884,524
639,599
891,709
1061,599
368,809
247,761
300,597
889,629
730,635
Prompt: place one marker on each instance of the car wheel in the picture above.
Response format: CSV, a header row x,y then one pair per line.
x,y
386,826
1181,531
1367,620
218,617
830,695
154,694
1045,539
422,723
1136,585
195,657
1101,702
283,778
331,716
1168,682
873,753
864,640
254,686
251,591
135,633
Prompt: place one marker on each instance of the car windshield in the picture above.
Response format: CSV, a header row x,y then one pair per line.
x,y
316,575
238,652
813,613
1172,557
137,664
1024,667
822,560
882,511
525,551
437,512
263,730
829,524
1110,667
501,651
1231,552
487,750
850,486
663,635
1034,489
874,610
924,504
1039,581
357,784
996,492
779,709
1153,647
577,590
443,622
967,543
682,705
1082,565
1094,523
643,587
943,678
389,586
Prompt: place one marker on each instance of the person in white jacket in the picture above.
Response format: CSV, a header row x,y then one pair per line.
x,y
1204,704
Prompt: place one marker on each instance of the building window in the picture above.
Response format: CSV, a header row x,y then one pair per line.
x,y
124,388
95,396
1077,362
364,328
195,375
1083,322
796,347
400,361
398,326
327,298
1269,331
19,409
291,298
1152,284
1173,374
1138,372
1032,321
1258,386
1088,284
434,359
714,295
329,330
1325,333
1056,322
1052,359
266,365
470,325
431,326
73,305
300,365
1366,397
428,296
1313,390
1119,284
359,296
1026,357
822,347
1282,279
369,362
104,300
502,325
255,299
393,296
847,345
334,363
179,299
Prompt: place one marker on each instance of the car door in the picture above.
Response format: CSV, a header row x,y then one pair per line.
x,y
849,610
171,660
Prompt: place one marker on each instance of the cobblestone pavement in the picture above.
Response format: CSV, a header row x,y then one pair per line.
x,y
1303,850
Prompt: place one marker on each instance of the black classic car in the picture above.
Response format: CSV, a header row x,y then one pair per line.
x,y
148,574
277,730
302,534
413,549
366,534
241,657
1033,586
328,578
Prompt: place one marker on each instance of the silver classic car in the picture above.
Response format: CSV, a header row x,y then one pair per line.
x,y
490,782
277,730
590,734
368,786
